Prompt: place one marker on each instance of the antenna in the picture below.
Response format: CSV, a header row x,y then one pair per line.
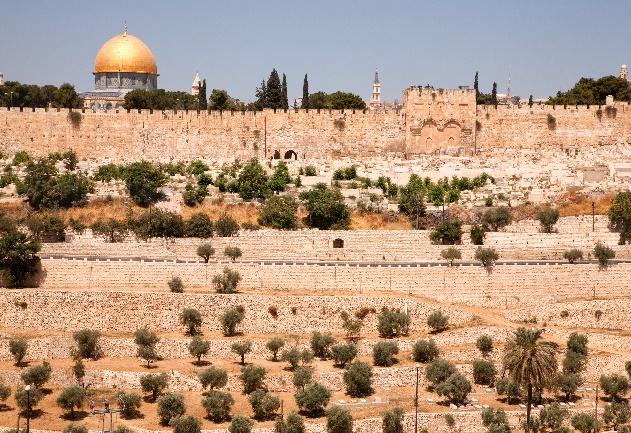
x,y
509,82
125,28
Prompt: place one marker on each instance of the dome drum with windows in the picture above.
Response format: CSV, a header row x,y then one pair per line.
x,y
123,63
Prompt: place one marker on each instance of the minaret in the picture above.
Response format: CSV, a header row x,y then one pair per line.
x,y
197,84
624,72
375,99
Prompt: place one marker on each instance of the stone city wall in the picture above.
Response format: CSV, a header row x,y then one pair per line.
x,y
505,285
419,128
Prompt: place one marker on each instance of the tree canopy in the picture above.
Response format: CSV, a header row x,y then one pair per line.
x,y
589,91
17,94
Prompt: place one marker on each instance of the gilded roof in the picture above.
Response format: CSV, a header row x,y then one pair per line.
x,y
125,53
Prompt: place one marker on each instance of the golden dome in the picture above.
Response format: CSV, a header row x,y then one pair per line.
x,y
125,53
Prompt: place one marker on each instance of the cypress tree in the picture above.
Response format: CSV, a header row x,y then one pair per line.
x,y
203,101
284,92
475,86
305,93
261,96
274,95
530,101
494,95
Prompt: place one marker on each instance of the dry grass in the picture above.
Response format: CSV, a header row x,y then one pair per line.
x,y
576,203
241,212
379,221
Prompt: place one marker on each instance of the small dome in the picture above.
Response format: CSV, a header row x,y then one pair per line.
x,y
125,53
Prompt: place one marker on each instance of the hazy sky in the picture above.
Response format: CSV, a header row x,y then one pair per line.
x,y
545,44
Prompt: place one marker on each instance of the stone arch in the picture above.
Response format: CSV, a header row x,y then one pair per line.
x,y
338,243
290,154
276,154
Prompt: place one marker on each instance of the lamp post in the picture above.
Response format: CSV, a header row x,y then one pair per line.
x,y
27,388
418,367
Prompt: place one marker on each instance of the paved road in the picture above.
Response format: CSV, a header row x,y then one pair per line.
x,y
360,264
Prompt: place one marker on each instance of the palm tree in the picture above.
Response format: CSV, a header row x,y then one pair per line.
x,y
530,362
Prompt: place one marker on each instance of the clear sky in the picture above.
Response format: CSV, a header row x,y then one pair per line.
x,y
545,44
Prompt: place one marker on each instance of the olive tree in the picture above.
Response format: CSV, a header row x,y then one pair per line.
x,y
241,348
275,345
217,405
358,379
154,383
170,406
198,347
213,377
18,348
192,320
313,399
71,398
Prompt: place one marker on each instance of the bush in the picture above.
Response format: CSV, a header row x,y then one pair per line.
x,y
508,388
451,254
352,326
240,424
158,223
146,341
198,347
264,405
75,428
71,398
603,254
5,393
438,371
484,343
552,416
326,208
302,377
383,353
242,348
577,343
573,255
230,319
112,230
616,414
438,321
78,369
484,372
477,234
252,377
310,170
46,227
392,421
573,362
313,399
583,422
343,353
620,215
486,256
218,405
279,212
294,423
142,180
393,323
87,343
321,344
233,253
192,319
186,424
170,406
456,388
227,281
547,217
154,383
275,345
495,420
18,348
294,356
614,385
22,399
18,257
176,285
198,225
496,218
205,251
37,375
358,379
339,420
226,226
213,377
447,233
131,404
568,383
424,351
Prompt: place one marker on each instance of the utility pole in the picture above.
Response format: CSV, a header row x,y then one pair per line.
x,y
596,411
416,402
593,216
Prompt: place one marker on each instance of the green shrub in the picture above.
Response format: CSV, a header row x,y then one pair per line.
x,y
233,253
293,423
392,421
294,357
241,348
170,406
339,420
321,344
496,218
198,347
71,398
313,399
393,323
213,378
143,179
326,208
226,226
447,233
383,353
23,398
205,251
616,414
603,254
438,321
547,217
18,257
46,227
484,343
37,375
75,428
157,223
573,255
451,254
132,402
192,320
424,351
227,281
198,225
358,379
456,387
508,388
577,343
438,371
477,234
230,319
310,170
343,353
186,424
484,372
154,383
568,383
279,212
252,377
112,230
263,404
583,422
302,376
240,424
275,345
614,385
18,348
176,285
218,405
486,256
